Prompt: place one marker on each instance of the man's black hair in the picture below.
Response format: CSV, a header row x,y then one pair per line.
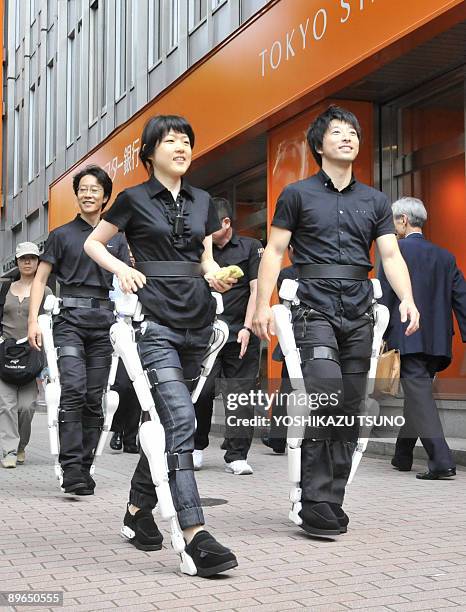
x,y
101,176
155,131
317,129
223,208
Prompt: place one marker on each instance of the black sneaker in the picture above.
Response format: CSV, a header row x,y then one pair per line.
x,y
342,517
141,530
73,480
319,520
209,556
90,485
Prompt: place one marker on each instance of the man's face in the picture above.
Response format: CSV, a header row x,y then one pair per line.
x,y
340,142
172,156
27,264
90,195
219,236
400,225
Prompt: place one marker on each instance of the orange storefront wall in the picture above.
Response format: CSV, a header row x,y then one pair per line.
x,y
291,55
442,187
289,159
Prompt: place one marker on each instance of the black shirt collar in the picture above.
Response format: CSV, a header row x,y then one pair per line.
x,y
234,241
327,182
83,225
155,187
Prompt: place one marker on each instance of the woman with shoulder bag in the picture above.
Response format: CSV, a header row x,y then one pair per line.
x,y
17,401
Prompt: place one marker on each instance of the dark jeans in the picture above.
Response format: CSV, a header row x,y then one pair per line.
x,y
82,379
238,376
327,454
164,347
126,418
421,414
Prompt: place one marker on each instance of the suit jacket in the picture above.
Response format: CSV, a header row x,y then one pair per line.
x,y
438,288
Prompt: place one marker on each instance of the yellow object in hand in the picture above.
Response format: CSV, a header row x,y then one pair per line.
x,y
229,272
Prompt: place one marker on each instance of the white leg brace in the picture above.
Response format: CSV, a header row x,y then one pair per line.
x,y
52,389
110,401
284,330
382,318
151,433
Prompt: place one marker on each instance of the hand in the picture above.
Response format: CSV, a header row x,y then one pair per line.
x,y
262,323
409,311
220,285
130,279
34,335
243,339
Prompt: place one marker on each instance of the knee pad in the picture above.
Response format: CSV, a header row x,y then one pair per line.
x,y
98,362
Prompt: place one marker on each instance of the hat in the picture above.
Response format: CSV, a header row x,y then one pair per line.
x,y
26,248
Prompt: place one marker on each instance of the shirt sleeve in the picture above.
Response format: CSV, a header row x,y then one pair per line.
x,y
212,224
385,223
287,211
121,211
123,249
53,249
255,255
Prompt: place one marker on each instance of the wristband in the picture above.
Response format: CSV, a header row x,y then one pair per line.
x,y
247,329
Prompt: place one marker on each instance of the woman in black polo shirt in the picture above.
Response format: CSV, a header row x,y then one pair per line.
x,y
167,220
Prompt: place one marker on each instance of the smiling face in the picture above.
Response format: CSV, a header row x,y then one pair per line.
x,y
172,156
340,143
90,195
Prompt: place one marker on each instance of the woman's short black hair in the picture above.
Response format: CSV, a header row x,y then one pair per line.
x,y
156,129
317,129
101,176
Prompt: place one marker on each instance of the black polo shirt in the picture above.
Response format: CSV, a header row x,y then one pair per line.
x,y
333,227
145,213
245,253
64,249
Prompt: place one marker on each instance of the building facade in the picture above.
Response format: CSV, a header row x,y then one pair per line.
x,y
75,70
250,77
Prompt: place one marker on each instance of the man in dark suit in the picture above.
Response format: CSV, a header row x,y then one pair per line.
x,y
438,288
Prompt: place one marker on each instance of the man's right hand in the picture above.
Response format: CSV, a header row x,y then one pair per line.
x,y
263,323
34,335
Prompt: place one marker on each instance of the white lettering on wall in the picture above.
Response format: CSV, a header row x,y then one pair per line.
x,y
284,47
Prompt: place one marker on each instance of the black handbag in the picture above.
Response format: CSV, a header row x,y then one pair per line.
x,y
19,363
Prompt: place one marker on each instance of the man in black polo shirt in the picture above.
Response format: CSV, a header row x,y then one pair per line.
x,y
239,358
81,330
331,220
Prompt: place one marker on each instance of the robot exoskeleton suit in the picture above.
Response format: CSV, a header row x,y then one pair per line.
x,y
169,463
320,460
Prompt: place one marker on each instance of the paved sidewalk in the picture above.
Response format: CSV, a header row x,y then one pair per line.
x,y
405,549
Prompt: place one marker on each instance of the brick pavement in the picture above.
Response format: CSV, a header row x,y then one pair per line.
x,y
405,549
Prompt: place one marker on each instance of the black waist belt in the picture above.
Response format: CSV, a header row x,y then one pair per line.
x,y
84,291
72,302
169,268
332,271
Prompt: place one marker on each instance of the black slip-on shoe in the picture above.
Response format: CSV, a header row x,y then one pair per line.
x,y
116,441
342,517
209,556
73,481
90,485
402,465
141,530
432,475
319,520
278,445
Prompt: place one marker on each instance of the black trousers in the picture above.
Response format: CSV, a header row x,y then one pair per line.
x,y
327,453
126,418
238,376
83,378
421,414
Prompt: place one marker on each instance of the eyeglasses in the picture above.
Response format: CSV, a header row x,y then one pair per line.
x,y
92,190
